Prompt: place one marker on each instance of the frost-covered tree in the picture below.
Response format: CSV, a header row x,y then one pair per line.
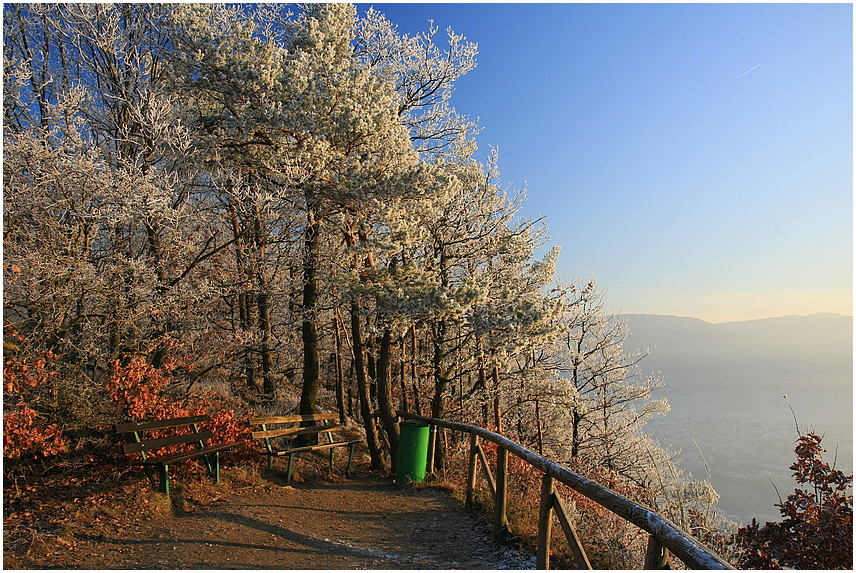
x,y
464,275
238,178
285,102
517,311
105,245
424,75
383,232
600,391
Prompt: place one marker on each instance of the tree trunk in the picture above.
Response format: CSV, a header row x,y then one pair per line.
x,y
440,383
363,388
263,302
414,379
384,398
401,372
243,299
497,414
268,387
340,377
576,418
311,362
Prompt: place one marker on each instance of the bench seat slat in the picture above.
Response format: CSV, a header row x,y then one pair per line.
x,y
158,424
156,444
173,458
310,448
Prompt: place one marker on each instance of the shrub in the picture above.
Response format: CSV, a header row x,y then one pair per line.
x,y
21,436
817,529
25,379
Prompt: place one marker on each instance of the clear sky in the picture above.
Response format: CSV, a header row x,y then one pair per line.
x,y
696,158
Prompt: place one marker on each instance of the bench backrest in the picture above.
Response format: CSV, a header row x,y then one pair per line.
x,y
158,424
293,419
141,445
327,425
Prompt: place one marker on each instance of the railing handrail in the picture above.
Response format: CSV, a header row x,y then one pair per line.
x,y
683,545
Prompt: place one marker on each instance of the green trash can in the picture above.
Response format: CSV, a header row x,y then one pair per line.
x,y
412,452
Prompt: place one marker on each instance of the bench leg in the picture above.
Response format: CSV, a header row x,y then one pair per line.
x,y
164,479
151,476
350,459
213,468
290,463
207,459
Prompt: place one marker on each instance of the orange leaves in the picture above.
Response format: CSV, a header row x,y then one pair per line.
x,y
140,389
21,374
227,427
137,387
21,436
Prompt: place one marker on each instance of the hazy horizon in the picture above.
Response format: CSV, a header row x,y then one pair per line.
x,y
797,315
723,313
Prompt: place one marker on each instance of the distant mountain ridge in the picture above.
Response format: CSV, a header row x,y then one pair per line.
x,y
688,348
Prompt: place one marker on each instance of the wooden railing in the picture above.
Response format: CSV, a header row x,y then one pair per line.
x,y
664,536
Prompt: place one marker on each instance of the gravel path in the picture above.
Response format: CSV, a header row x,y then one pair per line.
x,y
363,523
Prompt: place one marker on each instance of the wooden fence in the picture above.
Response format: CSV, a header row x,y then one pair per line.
x,y
664,536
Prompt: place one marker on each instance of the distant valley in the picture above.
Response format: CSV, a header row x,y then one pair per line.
x,y
725,384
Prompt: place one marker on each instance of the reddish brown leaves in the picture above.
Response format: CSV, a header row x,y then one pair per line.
x,y
817,529
23,378
140,389
21,435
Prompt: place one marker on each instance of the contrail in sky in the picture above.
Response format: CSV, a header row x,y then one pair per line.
x,y
746,72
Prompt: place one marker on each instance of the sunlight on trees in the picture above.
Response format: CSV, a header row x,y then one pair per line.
x,y
211,205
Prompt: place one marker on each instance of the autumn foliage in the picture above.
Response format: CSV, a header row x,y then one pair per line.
x,y
817,529
24,379
22,436
141,390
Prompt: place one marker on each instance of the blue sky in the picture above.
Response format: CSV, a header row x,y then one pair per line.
x,y
683,185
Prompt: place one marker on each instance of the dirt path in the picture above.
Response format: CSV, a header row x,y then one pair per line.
x,y
362,523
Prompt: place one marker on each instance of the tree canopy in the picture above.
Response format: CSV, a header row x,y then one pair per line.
x,y
281,211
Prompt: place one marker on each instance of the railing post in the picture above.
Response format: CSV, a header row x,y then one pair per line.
x,y
501,497
656,556
432,444
545,522
471,469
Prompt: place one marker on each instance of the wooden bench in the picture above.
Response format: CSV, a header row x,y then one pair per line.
x,y
324,425
191,436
